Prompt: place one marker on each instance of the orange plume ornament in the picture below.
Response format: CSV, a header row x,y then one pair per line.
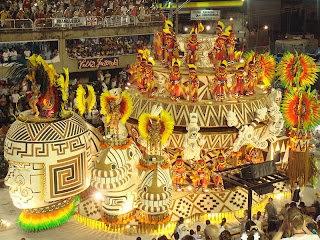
x,y
297,70
301,110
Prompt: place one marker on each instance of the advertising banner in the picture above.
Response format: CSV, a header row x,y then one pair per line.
x,y
98,62
205,14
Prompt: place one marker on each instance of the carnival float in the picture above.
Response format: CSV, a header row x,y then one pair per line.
x,y
195,107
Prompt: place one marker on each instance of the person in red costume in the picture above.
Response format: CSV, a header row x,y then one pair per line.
x,y
251,78
179,172
221,164
149,75
219,51
192,47
170,42
193,83
230,44
141,79
200,176
239,78
221,81
175,78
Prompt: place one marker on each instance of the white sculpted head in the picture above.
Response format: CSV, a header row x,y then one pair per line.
x,y
48,162
115,175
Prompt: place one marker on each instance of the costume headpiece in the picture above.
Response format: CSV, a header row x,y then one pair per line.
x,y
240,66
224,64
220,25
176,61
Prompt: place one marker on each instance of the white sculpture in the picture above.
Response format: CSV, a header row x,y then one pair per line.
x,y
246,133
193,141
275,96
275,125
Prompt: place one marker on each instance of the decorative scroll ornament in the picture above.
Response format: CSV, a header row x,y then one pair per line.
x,y
246,132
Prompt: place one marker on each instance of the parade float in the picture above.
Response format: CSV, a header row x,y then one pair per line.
x,y
224,114
194,107
49,150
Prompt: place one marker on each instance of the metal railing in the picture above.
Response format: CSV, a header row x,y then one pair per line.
x,y
16,24
76,22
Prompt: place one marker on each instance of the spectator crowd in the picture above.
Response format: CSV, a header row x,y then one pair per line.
x,y
111,46
11,52
138,10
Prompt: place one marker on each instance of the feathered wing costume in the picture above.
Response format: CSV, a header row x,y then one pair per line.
x,y
301,113
116,106
266,68
297,70
156,128
85,100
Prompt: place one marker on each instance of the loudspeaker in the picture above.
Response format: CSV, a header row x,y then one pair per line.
x,y
264,190
254,171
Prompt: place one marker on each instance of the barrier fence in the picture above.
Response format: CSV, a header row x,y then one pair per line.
x,y
75,22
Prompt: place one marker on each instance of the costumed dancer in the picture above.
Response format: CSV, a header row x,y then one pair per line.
x,y
170,42
218,54
149,74
192,46
156,128
142,71
221,80
174,79
200,175
230,45
193,83
116,106
179,172
251,78
239,78
220,165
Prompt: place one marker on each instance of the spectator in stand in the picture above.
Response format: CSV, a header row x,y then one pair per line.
x,y
270,209
223,225
27,53
225,235
194,235
297,193
13,55
5,55
273,227
256,221
295,223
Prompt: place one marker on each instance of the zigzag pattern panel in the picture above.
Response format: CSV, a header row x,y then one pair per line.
x,y
47,132
212,114
68,176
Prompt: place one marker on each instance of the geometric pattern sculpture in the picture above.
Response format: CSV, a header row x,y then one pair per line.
x,y
48,166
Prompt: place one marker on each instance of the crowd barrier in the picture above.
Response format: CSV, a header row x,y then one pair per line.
x,y
75,22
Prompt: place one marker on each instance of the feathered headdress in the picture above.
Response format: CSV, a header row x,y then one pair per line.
x,y
200,27
192,67
169,23
241,65
83,101
220,152
193,31
176,61
220,25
